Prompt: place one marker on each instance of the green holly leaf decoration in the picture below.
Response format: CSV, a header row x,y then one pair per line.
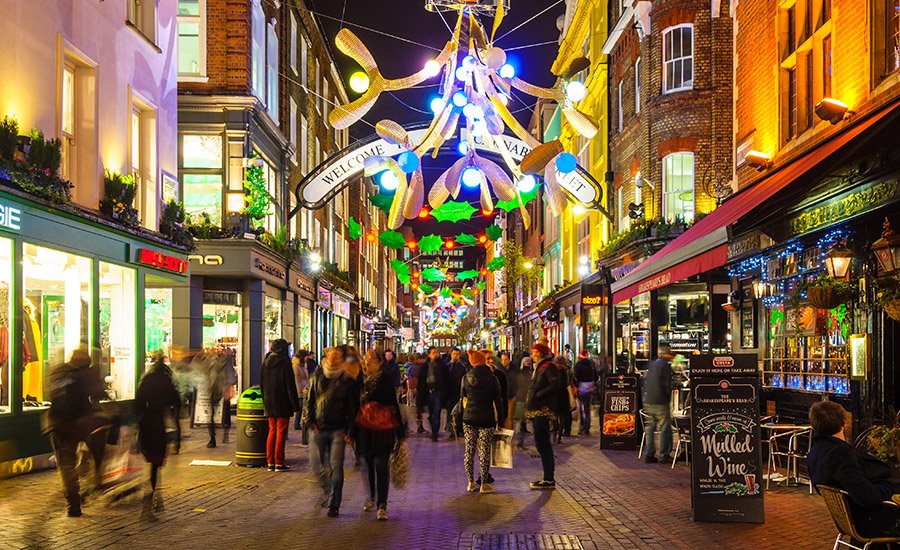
x,y
481,286
467,274
392,239
466,238
468,293
355,229
432,274
454,211
427,289
431,243
493,232
402,270
382,202
509,206
496,264
446,292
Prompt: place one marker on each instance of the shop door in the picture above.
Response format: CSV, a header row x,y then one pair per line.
x,y
222,327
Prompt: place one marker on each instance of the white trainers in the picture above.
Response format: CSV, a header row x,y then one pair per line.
x,y
472,487
487,488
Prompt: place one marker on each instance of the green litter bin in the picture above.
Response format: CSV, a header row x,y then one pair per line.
x,y
252,429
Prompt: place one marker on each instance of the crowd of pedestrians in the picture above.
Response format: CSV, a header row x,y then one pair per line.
x,y
365,402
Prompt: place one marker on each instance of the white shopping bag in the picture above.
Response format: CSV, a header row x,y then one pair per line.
x,y
502,449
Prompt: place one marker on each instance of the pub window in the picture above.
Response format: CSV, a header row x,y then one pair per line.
x,y
678,186
678,58
885,39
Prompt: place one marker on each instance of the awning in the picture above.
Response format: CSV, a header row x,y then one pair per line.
x,y
704,246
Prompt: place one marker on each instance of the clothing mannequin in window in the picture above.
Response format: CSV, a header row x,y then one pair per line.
x,y
32,354
4,344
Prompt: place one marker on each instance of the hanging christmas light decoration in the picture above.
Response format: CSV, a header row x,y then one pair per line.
x,y
475,87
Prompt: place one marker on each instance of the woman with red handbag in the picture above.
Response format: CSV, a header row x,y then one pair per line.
x,y
377,429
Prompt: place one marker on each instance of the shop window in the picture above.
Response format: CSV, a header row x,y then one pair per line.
x,y
885,39
258,50
142,17
117,329
191,38
201,177
6,267
678,186
158,321
804,46
273,320
222,325
678,58
272,72
56,314
304,328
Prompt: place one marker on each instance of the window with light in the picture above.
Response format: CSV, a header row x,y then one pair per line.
x,y
678,186
678,58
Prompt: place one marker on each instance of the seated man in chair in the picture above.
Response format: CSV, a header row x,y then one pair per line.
x,y
834,462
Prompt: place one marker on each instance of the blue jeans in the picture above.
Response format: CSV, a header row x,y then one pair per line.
x,y
541,425
585,402
326,458
434,413
660,418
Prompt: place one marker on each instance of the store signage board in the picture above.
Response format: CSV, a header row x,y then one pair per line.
x,y
847,206
726,458
618,417
152,258
593,295
10,217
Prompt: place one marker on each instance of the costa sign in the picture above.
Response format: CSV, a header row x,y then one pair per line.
x,y
336,172
723,361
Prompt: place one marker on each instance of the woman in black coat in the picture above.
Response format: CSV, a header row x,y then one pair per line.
x,y
156,397
378,429
280,401
485,408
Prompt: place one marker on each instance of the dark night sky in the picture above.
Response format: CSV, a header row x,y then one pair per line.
x,y
410,20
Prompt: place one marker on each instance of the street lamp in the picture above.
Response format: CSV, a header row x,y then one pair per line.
x,y
837,260
528,264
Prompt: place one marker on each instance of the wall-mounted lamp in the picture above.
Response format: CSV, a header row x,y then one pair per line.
x,y
640,181
759,161
759,289
887,249
234,202
837,260
832,110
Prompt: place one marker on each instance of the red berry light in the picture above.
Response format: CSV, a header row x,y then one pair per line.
x,y
482,239
411,245
449,244
423,213
370,237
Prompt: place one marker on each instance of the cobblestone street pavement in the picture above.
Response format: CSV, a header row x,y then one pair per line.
x,y
604,499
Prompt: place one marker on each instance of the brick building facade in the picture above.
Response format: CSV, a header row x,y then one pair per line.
x,y
670,92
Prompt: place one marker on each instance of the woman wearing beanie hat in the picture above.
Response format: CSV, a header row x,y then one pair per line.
x,y
540,407
484,410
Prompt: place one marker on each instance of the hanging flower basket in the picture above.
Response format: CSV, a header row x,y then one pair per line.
x,y
824,297
892,308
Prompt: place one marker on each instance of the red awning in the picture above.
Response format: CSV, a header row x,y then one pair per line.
x,y
704,246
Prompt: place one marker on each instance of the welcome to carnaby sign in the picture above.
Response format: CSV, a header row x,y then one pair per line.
x,y
336,172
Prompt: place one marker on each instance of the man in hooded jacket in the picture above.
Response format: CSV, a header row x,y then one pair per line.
x,y
280,401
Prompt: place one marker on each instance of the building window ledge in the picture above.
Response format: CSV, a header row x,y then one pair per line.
x,y
143,36
193,78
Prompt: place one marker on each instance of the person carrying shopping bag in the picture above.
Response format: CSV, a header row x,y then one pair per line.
x,y
484,409
377,429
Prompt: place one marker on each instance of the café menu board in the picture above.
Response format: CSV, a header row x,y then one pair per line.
x,y
726,459
617,418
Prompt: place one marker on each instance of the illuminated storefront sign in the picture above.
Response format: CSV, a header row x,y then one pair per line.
x,y
159,260
10,217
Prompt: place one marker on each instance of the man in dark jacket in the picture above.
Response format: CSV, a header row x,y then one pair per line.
x,y
331,407
455,373
834,462
586,381
280,401
540,408
432,389
75,389
657,396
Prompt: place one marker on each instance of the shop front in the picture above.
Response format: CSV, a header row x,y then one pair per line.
x,y
70,282
570,332
594,313
302,290
238,299
332,317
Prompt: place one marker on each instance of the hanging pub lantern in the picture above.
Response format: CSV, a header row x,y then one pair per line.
x,y
887,249
837,260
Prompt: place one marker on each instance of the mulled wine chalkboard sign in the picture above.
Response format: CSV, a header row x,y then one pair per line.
x,y
726,460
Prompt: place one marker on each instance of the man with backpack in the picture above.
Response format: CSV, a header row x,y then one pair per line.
x,y
75,389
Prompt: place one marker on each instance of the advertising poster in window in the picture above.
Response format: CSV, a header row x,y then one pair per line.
x,y
617,418
726,459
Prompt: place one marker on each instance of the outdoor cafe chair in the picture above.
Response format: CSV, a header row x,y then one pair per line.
x,y
837,502
683,430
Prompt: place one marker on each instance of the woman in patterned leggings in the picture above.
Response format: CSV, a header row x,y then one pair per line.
x,y
484,409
